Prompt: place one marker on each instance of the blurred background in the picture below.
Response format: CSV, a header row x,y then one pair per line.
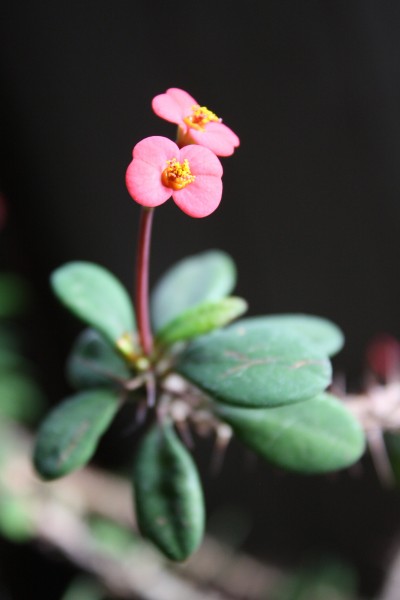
x,y
310,213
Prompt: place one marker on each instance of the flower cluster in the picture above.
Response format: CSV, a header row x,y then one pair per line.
x,y
187,170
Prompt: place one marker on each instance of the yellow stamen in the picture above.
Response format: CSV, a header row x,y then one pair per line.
x,y
177,175
200,117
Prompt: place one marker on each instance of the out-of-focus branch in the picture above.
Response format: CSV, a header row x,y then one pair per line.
x,y
59,511
378,411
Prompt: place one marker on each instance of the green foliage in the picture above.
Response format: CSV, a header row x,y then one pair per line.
x,y
10,338
15,518
204,277
263,365
10,359
314,436
168,494
265,376
95,363
68,437
84,588
325,335
95,296
202,319
323,580
21,399
112,538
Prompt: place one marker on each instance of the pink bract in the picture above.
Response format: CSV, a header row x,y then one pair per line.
x,y
177,106
200,195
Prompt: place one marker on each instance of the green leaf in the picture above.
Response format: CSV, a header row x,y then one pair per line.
x,y
313,436
202,319
10,337
16,522
11,361
21,399
94,363
325,579
68,437
204,277
168,494
255,366
112,538
84,588
327,338
95,296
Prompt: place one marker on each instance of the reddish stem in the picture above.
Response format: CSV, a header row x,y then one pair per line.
x,y
142,281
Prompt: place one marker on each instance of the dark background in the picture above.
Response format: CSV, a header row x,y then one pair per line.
x,y
310,211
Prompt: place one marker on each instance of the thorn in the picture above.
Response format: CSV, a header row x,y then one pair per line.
x,y
185,433
223,437
151,391
338,386
377,448
141,414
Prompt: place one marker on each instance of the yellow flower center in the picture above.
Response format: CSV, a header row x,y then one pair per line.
x,y
177,175
199,117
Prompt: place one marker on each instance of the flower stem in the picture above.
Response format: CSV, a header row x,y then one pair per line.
x,y
142,281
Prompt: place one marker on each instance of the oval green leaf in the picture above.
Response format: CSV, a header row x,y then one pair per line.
x,y
255,366
204,277
168,494
68,437
202,319
95,296
94,362
327,338
314,436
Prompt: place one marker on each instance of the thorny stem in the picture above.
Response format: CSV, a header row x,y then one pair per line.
x,y
142,281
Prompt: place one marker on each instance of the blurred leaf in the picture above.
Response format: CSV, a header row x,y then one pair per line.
x,y
94,295
15,520
10,337
204,277
14,295
168,494
255,366
327,338
328,580
94,363
20,397
68,437
313,436
113,538
201,319
83,588
11,360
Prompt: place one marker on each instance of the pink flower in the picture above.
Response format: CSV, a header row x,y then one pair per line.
x,y
191,175
196,124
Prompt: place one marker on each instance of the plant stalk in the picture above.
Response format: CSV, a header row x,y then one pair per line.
x,y
142,281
